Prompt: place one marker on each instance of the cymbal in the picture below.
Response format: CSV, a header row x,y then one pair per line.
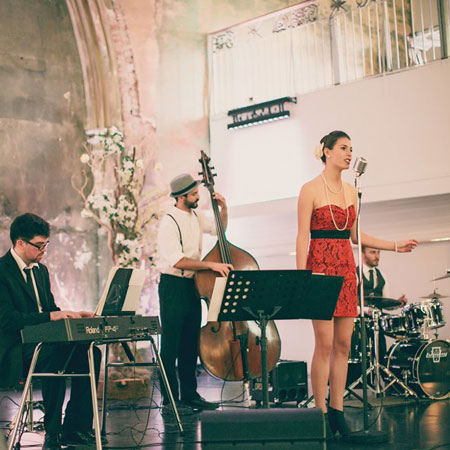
x,y
435,295
381,302
447,275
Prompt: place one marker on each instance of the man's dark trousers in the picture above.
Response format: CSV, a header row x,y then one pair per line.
x,y
180,311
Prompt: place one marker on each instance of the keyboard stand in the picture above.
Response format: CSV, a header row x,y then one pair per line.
x,y
19,421
135,364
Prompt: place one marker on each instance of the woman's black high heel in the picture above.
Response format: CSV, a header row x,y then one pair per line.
x,y
329,433
337,421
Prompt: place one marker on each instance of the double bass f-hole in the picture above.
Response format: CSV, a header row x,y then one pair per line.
x,y
230,350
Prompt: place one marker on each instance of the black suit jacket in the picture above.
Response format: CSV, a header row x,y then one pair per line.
x,y
18,308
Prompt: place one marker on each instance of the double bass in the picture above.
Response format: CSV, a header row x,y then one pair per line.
x,y
230,350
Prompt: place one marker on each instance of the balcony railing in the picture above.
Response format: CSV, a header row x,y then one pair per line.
x,y
293,52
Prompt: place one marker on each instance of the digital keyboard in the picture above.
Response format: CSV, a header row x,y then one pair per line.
x,y
92,329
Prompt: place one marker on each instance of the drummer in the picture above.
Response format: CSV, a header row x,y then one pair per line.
x,y
376,284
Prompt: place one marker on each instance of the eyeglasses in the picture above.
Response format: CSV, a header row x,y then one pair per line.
x,y
40,247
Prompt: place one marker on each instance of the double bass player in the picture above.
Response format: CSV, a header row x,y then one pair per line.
x,y
180,247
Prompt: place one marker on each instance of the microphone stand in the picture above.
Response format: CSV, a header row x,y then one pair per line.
x,y
364,436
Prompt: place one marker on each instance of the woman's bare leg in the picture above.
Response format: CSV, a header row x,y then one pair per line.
x,y
343,329
320,366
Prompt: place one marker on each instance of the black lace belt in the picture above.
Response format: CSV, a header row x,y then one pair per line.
x,y
330,234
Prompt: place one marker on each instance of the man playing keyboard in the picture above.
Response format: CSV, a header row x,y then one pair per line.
x,y
26,299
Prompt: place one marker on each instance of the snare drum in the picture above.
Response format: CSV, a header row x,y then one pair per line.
x,y
422,365
394,326
417,313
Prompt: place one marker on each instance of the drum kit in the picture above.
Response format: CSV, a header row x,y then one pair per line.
x,y
416,364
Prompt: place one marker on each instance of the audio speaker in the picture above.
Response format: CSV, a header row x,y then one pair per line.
x,y
273,429
288,382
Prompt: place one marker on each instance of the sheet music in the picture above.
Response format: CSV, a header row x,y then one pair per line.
x,y
114,293
216,298
135,285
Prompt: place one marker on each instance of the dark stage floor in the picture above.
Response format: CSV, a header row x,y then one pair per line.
x,y
410,424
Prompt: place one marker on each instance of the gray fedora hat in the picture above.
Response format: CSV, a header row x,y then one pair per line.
x,y
182,185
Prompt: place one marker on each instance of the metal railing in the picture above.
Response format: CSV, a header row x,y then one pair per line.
x,y
377,37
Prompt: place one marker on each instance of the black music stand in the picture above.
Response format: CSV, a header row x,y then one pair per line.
x,y
265,295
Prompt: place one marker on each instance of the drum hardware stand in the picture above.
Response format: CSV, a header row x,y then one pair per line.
x,y
350,391
376,368
426,329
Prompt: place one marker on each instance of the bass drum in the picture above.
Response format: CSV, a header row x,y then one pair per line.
x,y
423,365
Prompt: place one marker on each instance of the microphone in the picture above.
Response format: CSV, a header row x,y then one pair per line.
x,y
360,166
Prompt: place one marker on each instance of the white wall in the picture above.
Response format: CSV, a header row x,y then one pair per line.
x,y
399,122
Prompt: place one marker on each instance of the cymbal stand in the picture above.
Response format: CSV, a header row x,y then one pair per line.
x,y
376,367
425,333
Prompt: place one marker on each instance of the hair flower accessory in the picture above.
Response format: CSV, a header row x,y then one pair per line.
x,y
318,151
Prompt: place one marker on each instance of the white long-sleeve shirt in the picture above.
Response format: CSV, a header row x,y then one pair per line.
x,y
171,249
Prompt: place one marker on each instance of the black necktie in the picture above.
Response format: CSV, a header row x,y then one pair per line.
x,y
29,279
30,285
371,279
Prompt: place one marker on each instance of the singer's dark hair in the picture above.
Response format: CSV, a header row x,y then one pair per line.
x,y
330,139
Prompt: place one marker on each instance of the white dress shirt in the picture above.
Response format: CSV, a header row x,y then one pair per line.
x,y
23,266
192,225
386,290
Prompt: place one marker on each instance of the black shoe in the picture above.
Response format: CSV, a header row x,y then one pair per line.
x,y
51,442
183,410
338,422
329,436
200,403
71,438
91,436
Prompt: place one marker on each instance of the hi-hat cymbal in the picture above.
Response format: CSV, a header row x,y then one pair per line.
x,y
381,302
435,295
447,275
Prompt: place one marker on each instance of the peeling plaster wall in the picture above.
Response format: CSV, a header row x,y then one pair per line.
x,y
171,36
41,130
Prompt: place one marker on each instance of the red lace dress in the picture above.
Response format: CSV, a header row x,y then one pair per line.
x,y
335,256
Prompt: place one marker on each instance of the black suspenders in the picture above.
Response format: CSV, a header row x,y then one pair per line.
x,y
181,237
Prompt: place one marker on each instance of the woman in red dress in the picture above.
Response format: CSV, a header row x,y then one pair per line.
x,y
326,222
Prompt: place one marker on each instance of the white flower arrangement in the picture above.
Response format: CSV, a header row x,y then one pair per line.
x,y
318,151
115,196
